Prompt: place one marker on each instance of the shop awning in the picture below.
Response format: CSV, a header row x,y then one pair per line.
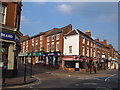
x,y
23,54
35,54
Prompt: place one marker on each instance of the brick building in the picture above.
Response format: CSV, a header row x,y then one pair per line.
x,y
73,48
10,35
47,46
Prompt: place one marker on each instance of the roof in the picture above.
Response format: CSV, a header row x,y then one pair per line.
x,y
55,32
71,33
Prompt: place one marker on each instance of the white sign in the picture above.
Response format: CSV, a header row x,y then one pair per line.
x,y
1,64
76,65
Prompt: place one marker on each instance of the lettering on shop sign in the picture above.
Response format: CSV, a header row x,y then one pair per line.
x,y
8,36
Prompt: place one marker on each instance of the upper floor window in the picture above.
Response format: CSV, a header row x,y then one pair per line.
x,y
48,39
27,42
91,44
53,37
88,42
70,49
2,14
83,41
58,36
33,40
36,39
83,50
40,46
52,48
40,37
48,47
57,46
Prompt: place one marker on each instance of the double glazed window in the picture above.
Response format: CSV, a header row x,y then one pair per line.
x,y
2,14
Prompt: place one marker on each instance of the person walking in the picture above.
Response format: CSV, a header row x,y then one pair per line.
x,y
95,67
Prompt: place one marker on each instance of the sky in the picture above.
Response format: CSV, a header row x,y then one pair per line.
x,y
101,18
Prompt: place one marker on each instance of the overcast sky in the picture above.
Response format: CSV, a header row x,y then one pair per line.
x,y
101,18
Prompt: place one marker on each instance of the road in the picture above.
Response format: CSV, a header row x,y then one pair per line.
x,y
51,78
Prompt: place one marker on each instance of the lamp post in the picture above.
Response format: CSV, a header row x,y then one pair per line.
x,y
31,64
25,71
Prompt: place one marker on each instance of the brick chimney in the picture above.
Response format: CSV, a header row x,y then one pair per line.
x,y
105,41
88,33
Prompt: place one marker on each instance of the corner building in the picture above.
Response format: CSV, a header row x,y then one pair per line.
x,y
10,35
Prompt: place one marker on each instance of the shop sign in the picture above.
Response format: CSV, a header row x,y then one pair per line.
x,y
76,65
23,54
7,36
54,53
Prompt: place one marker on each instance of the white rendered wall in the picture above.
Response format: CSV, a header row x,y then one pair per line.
x,y
73,41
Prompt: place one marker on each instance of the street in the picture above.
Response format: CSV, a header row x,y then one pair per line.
x,y
51,78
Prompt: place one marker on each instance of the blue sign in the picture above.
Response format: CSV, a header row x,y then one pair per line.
x,y
8,36
52,53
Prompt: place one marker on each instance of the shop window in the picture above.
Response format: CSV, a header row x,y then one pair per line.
x,y
69,64
70,49
2,13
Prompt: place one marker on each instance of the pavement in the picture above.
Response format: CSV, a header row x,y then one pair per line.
x,y
18,80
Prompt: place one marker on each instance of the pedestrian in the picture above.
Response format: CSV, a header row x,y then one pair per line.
x,y
95,67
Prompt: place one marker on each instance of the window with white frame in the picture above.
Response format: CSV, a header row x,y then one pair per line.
x,y
48,39
94,45
40,46
26,41
91,52
36,46
2,13
27,48
57,46
58,36
83,50
88,51
52,47
53,37
70,49
36,39
32,46
48,47
94,53
88,42
23,49
91,44
33,40
40,37
83,41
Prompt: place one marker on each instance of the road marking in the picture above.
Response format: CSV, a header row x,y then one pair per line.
x,y
109,77
76,84
90,83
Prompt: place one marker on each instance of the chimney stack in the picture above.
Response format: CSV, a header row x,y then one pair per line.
x,y
88,33
105,41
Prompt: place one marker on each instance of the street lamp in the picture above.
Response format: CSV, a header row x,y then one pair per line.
x,y
31,64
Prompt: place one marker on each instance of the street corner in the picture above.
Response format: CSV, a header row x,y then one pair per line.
x,y
18,83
